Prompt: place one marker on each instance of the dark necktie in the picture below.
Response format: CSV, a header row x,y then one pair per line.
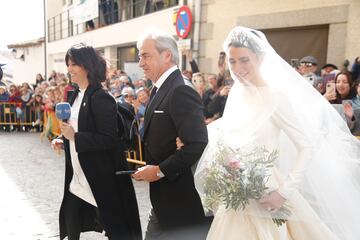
x,y
153,92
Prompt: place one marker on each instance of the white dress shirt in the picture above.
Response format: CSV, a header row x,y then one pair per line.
x,y
164,76
79,186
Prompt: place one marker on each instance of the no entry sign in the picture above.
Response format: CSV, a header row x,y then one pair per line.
x,y
183,22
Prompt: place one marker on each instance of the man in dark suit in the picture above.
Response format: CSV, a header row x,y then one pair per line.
x,y
174,110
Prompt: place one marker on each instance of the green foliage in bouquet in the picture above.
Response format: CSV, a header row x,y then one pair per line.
x,y
236,177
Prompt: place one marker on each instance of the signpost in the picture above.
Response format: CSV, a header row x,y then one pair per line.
x,y
184,44
183,22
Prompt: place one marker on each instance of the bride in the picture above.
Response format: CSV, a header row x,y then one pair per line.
x,y
316,174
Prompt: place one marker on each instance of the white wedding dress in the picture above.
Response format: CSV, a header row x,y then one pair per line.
x,y
318,167
255,223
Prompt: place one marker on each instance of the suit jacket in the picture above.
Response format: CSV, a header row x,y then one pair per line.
x,y
96,145
175,111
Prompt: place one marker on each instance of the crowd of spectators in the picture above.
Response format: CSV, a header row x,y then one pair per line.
x,y
35,104
32,105
338,85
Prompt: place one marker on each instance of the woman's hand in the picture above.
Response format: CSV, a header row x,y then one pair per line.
x,y
57,144
225,91
179,143
348,110
330,96
136,103
67,131
188,54
272,201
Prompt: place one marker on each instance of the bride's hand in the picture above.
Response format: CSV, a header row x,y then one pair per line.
x,y
272,201
179,143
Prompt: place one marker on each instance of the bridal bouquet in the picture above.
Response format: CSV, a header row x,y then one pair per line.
x,y
236,177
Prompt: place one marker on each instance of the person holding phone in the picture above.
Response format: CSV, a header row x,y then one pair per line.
x,y
330,90
342,88
221,60
339,93
95,198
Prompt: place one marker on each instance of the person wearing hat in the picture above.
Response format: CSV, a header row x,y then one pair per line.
x,y
328,68
308,68
308,65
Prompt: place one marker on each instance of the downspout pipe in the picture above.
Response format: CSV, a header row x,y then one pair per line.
x,y
196,36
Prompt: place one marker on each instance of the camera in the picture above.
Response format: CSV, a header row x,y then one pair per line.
x,y
228,82
311,77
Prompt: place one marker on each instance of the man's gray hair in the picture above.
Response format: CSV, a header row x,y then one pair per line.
x,y
123,78
163,41
128,90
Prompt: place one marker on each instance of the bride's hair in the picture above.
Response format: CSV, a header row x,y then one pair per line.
x,y
241,39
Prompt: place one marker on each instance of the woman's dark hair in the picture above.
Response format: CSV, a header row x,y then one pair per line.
x,y
351,84
41,78
89,58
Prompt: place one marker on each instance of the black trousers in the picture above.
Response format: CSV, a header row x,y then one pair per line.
x,y
76,213
75,210
155,231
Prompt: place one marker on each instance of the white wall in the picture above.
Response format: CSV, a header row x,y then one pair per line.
x,y
25,71
54,7
114,35
219,17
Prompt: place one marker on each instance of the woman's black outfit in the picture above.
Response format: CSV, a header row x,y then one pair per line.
x,y
98,151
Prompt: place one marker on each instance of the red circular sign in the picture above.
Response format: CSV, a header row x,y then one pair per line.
x,y
183,22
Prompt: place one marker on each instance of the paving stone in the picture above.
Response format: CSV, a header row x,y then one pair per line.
x,y
32,182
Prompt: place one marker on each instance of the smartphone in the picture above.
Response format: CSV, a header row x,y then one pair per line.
x,y
221,60
228,82
330,88
125,172
328,77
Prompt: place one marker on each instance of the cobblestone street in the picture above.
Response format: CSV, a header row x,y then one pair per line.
x,y
31,180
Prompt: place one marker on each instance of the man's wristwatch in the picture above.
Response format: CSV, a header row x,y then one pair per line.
x,y
160,174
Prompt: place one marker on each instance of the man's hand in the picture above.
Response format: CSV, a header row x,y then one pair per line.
x,y
147,173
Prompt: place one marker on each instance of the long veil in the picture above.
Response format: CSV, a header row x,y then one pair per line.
x,y
331,182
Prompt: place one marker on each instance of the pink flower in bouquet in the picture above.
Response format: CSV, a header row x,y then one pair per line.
x,y
235,164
